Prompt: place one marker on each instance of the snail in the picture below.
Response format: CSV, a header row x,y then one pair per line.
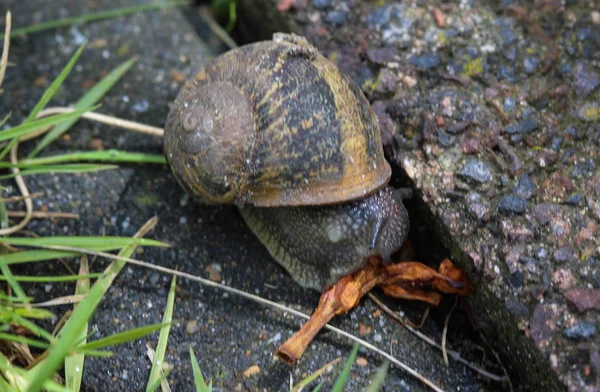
x,y
276,129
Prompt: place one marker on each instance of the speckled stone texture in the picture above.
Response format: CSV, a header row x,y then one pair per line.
x,y
227,333
491,110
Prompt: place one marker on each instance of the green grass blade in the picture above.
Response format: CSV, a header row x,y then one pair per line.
x,y
31,256
67,168
379,376
94,95
63,345
163,338
198,378
74,363
93,17
122,337
232,16
21,296
97,156
22,339
55,85
51,279
343,377
5,119
318,387
24,129
83,241
19,317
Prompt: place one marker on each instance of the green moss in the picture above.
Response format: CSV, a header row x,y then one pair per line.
x,y
473,67
591,113
149,199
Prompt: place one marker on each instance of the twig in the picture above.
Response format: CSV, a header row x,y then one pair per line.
x,y
101,118
454,354
220,32
445,332
252,297
424,317
4,58
510,386
44,215
66,300
24,192
20,198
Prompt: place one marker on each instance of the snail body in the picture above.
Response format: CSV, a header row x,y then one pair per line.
x,y
276,129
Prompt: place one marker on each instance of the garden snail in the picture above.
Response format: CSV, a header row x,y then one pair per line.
x,y
276,129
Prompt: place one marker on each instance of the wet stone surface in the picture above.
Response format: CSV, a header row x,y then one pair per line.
x,y
234,339
495,112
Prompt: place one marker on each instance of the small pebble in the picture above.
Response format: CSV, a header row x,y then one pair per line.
x,y
336,17
506,72
586,167
425,61
517,308
154,277
527,259
565,255
530,63
478,206
524,187
511,203
321,4
574,199
191,327
583,330
525,126
556,142
572,132
275,338
251,371
509,104
476,171
510,53
508,37
516,279
362,362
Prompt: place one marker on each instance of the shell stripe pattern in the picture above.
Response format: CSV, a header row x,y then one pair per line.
x,y
316,137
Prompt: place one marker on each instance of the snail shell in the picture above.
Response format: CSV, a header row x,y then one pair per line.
x,y
274,124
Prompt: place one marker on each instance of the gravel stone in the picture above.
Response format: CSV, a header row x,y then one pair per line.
x,y
574,199
321,4
524,187
530,64
512,204
478,206
337,17
565,255
517,308
583,330
425,61
584,168
476,171
525,126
